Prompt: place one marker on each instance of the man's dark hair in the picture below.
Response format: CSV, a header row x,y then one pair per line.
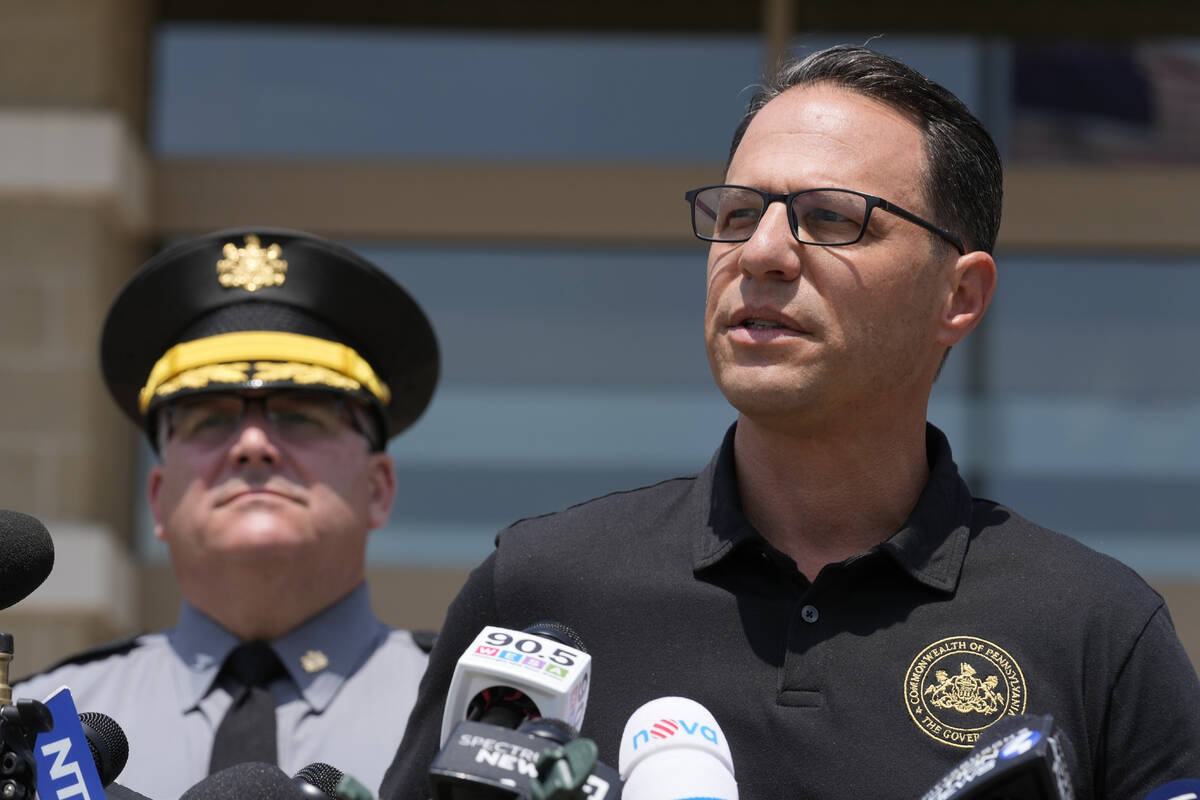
x,y
964,181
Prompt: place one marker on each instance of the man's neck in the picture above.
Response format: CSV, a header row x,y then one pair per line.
x,y
822,496
264,609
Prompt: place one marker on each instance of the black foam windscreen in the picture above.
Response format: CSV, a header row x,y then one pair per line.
x,y
251,779
26,556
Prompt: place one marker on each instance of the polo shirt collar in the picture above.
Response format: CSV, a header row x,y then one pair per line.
x,y
930,546
933,542
319,654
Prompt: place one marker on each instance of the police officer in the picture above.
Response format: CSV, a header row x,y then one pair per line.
x,y
268,368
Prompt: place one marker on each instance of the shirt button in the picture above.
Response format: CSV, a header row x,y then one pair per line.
x,y
809,614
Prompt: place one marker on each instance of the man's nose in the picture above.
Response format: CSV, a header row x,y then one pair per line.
x,y
253,443
772,252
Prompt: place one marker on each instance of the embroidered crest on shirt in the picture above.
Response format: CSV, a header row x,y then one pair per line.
x,y
251,267
959,686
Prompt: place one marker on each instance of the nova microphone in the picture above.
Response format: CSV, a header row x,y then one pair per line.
x,y
252,779
1186,789
507,676
1025,758
26,556
673,749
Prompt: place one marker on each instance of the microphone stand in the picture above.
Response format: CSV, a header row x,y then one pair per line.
x,y
19,726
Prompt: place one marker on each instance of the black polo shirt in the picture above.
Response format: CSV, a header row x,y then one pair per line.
x,y
874,679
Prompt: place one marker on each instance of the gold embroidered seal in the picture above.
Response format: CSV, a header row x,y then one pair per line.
x,y
958,686
251,267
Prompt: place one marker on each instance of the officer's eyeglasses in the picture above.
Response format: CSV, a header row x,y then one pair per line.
x,y
830,217
296,417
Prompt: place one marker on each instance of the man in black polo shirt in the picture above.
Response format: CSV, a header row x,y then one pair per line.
x,y
827,586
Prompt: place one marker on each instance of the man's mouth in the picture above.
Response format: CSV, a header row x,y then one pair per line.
x,y
756,324
256,492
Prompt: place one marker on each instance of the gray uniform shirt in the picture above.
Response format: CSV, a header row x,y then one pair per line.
x,y
350,686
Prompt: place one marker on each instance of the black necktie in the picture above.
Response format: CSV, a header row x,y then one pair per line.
x,y
247,732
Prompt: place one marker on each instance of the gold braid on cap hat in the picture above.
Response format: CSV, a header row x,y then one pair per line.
x,y
272,346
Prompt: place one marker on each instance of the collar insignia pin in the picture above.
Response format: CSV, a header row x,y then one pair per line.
x,y
314,661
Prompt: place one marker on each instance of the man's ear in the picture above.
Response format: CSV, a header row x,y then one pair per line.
x,y
969,292
154,481
381,486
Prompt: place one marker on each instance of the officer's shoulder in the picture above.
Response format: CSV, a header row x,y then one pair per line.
x,y
401,645
94,655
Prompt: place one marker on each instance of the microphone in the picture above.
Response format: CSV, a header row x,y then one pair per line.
x,y
108,743
115,791
1185,789
110,751
26,556
1025,758
489,762
672,748
506,676
62,768
20,725
321,781
514,706
254,779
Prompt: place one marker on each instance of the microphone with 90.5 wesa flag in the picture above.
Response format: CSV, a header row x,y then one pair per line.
x,y
1025,757
1184,789
515,703
26,556
506,676
673,749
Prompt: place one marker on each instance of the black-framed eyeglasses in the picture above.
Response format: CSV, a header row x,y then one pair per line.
x,y
298,417
826,216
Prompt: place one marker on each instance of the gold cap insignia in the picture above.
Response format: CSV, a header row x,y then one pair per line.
x,y
251,267
314,661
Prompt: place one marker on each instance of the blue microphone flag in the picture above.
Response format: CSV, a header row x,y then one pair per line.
x,y
65,768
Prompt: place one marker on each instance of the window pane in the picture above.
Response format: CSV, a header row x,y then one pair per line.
x,y
1091,424
230,90
1107,101
566,373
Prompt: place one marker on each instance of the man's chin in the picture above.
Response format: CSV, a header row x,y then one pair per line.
x,y
769,391
255,532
